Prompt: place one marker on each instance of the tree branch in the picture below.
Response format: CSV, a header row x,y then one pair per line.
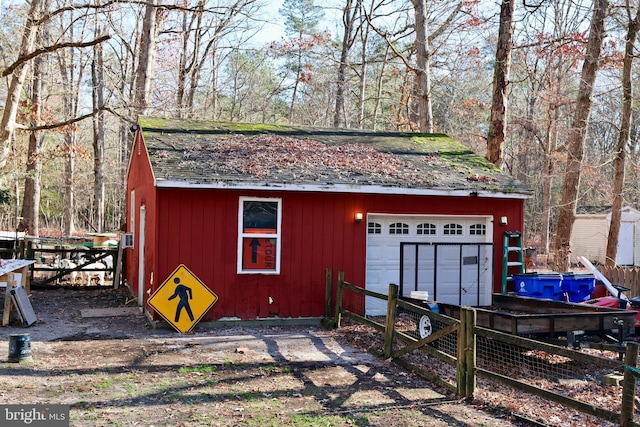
x,y
390,44
50,126
11,68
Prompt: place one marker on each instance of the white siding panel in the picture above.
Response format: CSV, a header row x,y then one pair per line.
x,y
589,238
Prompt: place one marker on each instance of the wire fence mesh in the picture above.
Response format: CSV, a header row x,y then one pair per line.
x,y
589,376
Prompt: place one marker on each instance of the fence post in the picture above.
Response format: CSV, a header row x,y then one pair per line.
x,y
466,354
461,361
391,319
30,254
470,354
629,385
328,320
327,294
338,314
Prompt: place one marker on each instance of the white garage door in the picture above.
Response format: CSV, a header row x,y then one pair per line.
x,y
448,272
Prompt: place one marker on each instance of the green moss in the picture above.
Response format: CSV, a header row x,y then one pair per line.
x,y
439,143
207,125
470,160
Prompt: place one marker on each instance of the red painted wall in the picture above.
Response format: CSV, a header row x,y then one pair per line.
x,y
198,228
140,180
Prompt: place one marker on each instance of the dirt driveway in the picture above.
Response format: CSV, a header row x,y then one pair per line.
x,y
117,371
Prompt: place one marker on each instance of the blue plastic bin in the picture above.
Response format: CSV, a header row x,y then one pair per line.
x,y
539,285
578,285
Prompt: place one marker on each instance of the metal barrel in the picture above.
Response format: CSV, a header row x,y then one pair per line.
x,y
19,347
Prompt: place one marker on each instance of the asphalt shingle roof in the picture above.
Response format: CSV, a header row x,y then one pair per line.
x,y
199,152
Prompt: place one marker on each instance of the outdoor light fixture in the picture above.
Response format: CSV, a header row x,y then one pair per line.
x,y
503,220
359,216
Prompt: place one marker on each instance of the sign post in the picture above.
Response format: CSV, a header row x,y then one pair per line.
x,y
182,299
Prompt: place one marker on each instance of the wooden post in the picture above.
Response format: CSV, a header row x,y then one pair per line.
x,y
30,254
6,313
117,264
629,385
337,314
392,303
470,356
461,369
327,294
328,320
25,282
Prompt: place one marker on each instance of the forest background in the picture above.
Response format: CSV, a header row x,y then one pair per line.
x,y
544,88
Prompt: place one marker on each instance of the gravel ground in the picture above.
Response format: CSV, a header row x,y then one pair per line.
x,y
117,370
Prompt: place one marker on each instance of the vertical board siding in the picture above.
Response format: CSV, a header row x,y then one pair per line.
x,y
199,228
140,179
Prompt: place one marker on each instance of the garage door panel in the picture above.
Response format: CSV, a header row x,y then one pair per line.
x,y
383,258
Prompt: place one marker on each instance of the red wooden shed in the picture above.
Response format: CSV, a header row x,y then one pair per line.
x,y
258,212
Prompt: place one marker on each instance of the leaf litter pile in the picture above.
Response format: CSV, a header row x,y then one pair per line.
x,y
275,157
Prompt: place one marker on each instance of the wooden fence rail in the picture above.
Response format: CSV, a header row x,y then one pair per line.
x,y
466,361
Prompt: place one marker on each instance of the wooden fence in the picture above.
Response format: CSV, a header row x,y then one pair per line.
x,y
499,357
623,276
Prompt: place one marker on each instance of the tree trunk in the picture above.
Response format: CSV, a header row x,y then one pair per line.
x,y
30,222
146,59
348,14
32,183
97,75
69,227
501,69
364,65
623,139
214,85
577,134
296,83
12,102
423,73
379,87
182,68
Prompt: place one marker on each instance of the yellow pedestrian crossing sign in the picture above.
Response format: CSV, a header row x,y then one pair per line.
x,y
182,299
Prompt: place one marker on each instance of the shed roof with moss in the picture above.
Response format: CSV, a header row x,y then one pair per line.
x,y
213,154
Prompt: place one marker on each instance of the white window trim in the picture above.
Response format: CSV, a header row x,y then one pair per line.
x,y
241,234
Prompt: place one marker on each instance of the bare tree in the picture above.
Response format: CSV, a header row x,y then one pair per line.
x,y
202,30
98,79
146,59
423,64
18,72
623,137
30,221
71,66
575,143
348,17
422,67
502,66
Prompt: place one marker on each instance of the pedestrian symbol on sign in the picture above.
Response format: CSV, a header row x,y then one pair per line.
x,y
184,293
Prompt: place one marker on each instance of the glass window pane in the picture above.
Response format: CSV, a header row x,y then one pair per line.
x,y
374,228
260,217
399,228
478,230
426,228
